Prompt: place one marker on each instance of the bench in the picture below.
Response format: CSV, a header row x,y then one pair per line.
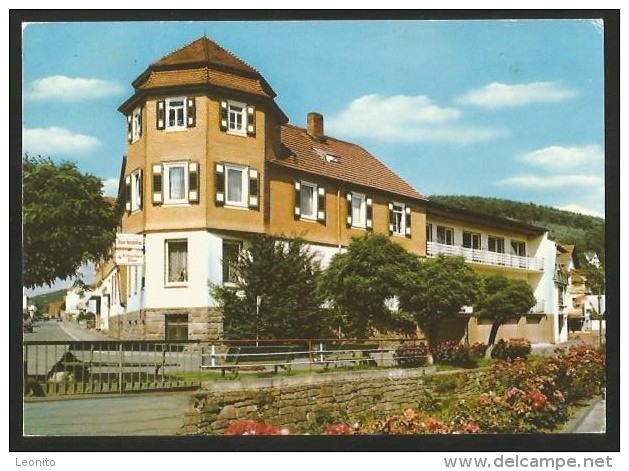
x,y
241,357
338,353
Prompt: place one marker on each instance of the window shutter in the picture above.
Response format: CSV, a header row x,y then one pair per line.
x,y
407,229
390,218
321,204
127,193
349,210
254,188
140,124
220,184
160,114
191,114
297,200
369,218
223,116
129,128
251,121
193,182
157,184
140,188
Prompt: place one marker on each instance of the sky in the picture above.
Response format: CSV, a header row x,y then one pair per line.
x,y
497,108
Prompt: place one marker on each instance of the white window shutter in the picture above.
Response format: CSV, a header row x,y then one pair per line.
x,y
193,182
349,209
251,121
127,182
254,188
129,128
223,115
297,213
407,229
369,211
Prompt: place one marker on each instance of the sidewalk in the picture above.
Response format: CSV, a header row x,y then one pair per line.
x,y
589,419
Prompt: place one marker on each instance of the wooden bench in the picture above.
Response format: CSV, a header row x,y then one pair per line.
x,y
241,357
339,353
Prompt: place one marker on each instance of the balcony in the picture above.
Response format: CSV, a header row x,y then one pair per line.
x,y
560,276
486,257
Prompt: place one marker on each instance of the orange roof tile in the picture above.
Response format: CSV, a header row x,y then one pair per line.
x,y
353,163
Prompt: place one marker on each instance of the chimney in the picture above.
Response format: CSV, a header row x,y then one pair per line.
x,y
315,125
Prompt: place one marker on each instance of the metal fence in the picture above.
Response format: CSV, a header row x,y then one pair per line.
x,y
91,367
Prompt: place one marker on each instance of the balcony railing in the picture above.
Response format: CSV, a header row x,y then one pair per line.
x,y
485,256
560,277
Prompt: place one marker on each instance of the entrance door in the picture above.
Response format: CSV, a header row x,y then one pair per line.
x,y
176,326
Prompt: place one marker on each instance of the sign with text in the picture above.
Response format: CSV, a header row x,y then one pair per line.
x,y
130,241
129,257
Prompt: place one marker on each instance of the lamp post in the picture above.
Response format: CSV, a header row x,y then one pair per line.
x,y
258,302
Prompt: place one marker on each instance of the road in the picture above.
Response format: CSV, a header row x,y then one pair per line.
x,y
53,330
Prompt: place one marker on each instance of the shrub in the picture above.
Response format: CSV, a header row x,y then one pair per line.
x,y
512,349
411,422
478,349
454,353
253,427
411,355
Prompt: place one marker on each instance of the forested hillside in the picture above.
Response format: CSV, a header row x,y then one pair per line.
x,y
586,232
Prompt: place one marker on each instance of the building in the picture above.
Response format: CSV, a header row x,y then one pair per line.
x,y
211,159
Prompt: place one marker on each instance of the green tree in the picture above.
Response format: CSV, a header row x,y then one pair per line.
x,y
66,220
282,273
436,291
503,298
359,282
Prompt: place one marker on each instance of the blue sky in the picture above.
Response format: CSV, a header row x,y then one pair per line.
x,y
509,109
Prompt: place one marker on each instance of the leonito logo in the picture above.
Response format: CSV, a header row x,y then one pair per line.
x,y
34,463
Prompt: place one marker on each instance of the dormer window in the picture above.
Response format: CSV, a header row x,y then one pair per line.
x,y
331,158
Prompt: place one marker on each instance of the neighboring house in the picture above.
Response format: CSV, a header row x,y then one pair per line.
x,y
55,308
212,159
592,259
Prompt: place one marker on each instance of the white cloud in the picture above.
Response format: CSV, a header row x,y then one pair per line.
x,y
552,182
500,95
557,157
404,118
577,208
110,187
52,140
62,88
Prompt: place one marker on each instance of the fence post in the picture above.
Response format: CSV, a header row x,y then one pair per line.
x,y
213,356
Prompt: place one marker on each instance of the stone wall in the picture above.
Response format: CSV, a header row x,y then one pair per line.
x,y
302,401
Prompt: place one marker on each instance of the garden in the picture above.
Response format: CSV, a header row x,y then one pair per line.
x,y
517,393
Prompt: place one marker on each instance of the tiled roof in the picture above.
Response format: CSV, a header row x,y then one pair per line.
x,y
207,51
565,257
201,76
353,164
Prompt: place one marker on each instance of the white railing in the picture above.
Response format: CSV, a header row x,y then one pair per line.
x,y
485,256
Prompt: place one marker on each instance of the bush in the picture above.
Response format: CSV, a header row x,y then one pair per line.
x,y
478,349
253,427
512,349
411,355
454,353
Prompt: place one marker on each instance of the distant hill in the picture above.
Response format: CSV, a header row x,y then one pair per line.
x,y
42,300
565,227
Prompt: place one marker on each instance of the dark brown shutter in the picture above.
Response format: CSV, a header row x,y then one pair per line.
x,y
254,188
251,121
407,210
192,112
160,114
369,221
390,218
321,204
297,212
140,123
140,188
220,185
223,116
157,184
127,193
129,128
349,210
193,182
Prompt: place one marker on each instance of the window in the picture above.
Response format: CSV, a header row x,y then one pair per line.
x,y
136,124
518,248
176,262
445,235
359,210
400,219
175,113
176,326
231,252
237,118
236,183
471,240
428,232
307,201
136,190
175,183
496,244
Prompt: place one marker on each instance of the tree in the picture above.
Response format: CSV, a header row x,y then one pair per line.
x,y
359,282
66,220
282,274
503,298
436,291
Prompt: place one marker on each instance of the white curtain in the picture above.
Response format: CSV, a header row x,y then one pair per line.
x,y
177,261
176,183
